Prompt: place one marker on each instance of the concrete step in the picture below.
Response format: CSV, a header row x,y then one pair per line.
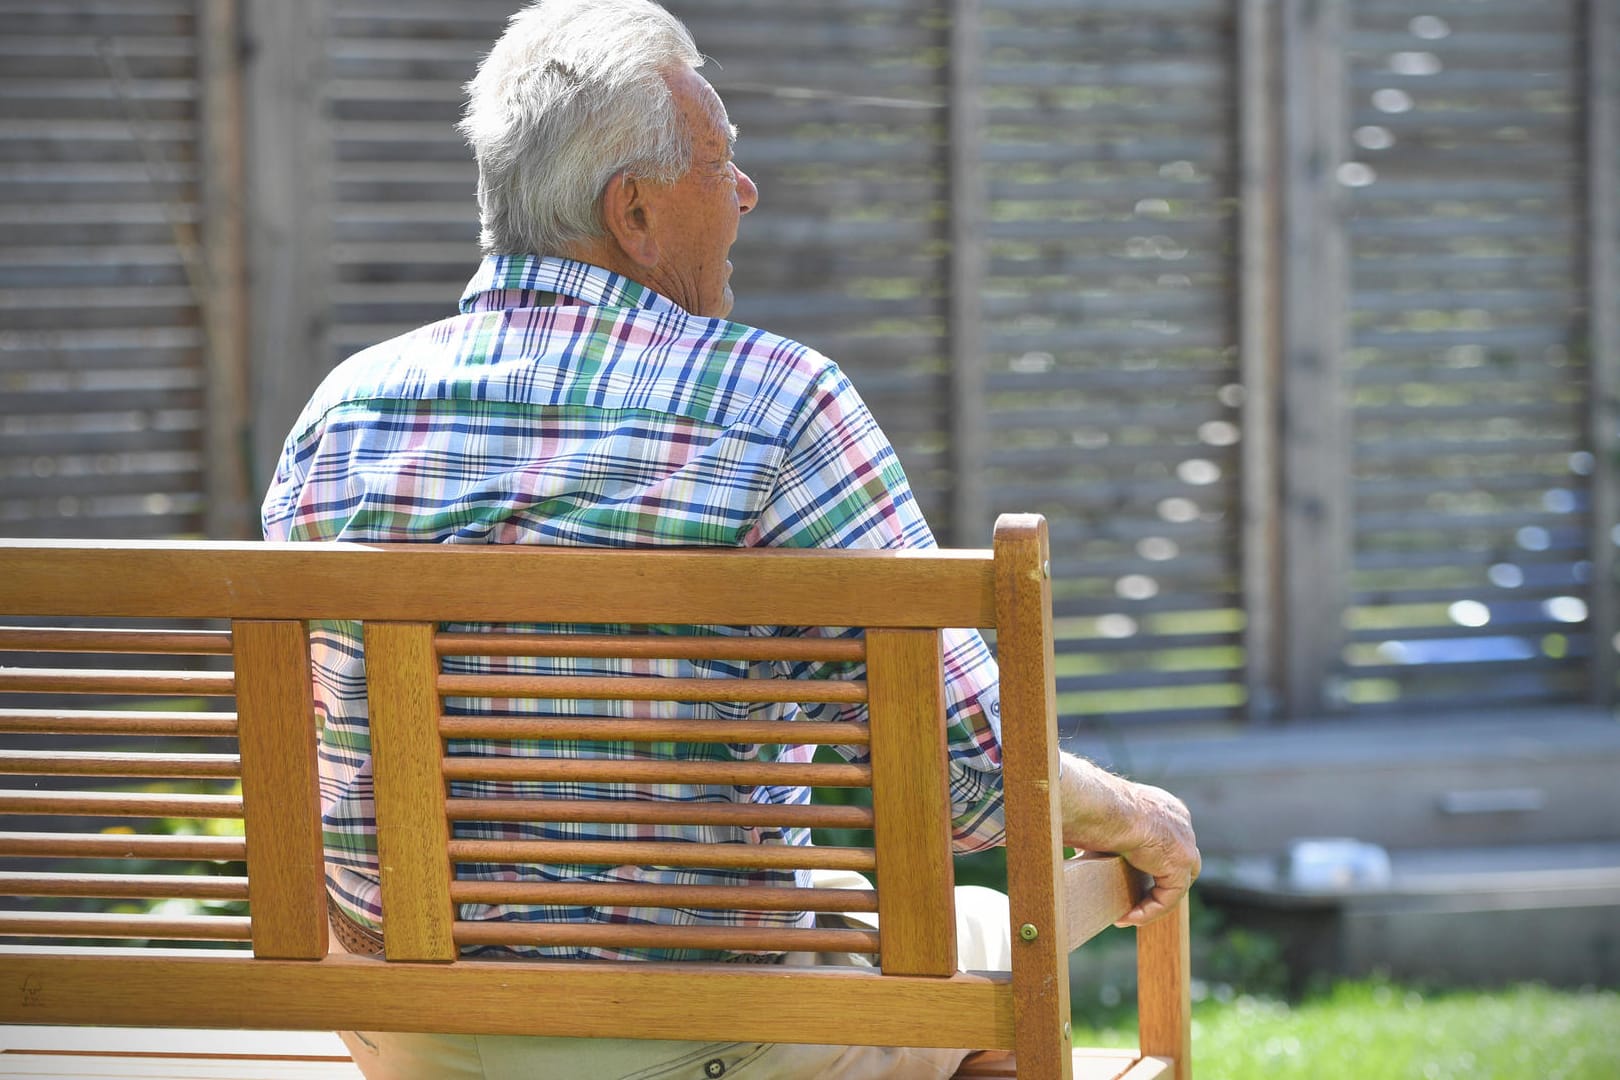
x,y
1458,916
1427,783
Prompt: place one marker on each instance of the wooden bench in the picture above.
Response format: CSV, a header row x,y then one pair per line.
x,y
289,980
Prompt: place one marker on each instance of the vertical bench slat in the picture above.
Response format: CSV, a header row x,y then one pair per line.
x,y
280,789
402,671
1163,974
1030,781
911,802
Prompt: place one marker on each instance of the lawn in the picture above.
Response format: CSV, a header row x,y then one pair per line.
x,y
1378,1031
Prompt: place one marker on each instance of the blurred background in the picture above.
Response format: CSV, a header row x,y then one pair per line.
x,y
1298,319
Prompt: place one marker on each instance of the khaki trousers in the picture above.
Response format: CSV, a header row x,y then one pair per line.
x,y
983,943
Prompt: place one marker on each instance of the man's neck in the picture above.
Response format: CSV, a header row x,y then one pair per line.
x,y
603,252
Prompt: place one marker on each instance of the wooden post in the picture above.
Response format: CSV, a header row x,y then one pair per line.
x,y
1314,448
230,513
970,514
406,752
1603,336
289,199
910,801
1257,327
281,795
1030,779
1163,979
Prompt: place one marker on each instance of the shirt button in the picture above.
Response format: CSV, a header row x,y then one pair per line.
x,y
714,1067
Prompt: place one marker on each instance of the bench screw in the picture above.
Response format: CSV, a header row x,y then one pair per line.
x,y
1046,568
1028,932
1068,1030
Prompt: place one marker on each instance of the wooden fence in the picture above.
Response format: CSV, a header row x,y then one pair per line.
x,y
1298,318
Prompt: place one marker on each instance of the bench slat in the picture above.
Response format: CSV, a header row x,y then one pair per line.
x,y
640,771
651,646
453,583
629,688
280,789
807,815
703,897
663,853
611,936
911,801
412,832
590,999
625,729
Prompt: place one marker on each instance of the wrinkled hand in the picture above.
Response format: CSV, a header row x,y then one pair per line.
x,y
1148,826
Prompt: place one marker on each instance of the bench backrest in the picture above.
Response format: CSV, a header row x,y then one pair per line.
x,y
402,594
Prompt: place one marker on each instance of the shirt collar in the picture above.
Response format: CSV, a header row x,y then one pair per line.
x,y
499,277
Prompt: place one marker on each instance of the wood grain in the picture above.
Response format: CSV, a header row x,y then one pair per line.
x,y
97,763
612,936
660,646
659,853
1097,891
629,688
72,639
701,897
121,846
281,790
412,833
911,802
120,804
194,886
86,925
1163,975
670,1001
742,815
625,729
116,722
1030,783
646,771
76,681
406,582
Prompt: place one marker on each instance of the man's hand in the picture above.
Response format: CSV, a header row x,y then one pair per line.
x,y
1147,825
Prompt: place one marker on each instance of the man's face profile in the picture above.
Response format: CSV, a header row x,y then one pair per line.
x,y
695,218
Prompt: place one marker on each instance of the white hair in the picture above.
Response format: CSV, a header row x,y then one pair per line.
x,y
572,94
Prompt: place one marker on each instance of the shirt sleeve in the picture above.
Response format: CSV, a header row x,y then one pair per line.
x,y
841,486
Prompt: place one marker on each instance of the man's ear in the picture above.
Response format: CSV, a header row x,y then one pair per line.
x,y
627,213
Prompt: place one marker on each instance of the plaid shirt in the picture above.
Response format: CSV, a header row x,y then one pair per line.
x,y
569,405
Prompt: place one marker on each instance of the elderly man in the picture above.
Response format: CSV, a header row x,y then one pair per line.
x,y
592,392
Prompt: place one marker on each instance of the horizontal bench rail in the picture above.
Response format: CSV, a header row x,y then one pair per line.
x,y
607,936
626,729
453,583
75,681
116,722
121,846
659,853
75,639
585,999
95,763
701,897
594,770
146,886
163,927
632,688
742,815
141,804
650,646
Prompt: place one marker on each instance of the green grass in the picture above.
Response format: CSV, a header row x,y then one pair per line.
x,y
1377,1031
